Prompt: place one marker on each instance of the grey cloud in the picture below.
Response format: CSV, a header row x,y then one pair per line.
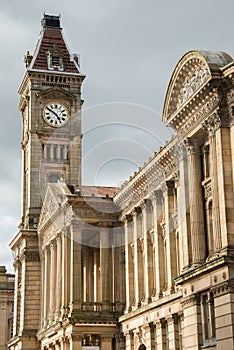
x,y
128,51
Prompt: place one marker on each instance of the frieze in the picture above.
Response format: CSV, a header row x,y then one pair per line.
x,y
194,119
223,288
191,84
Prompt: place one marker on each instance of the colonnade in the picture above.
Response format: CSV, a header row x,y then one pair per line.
x,y
150,247
80,278
166,233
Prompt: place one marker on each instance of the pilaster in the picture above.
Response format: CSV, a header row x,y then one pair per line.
x,y
196,204
58,278
53,274
211,125
157,238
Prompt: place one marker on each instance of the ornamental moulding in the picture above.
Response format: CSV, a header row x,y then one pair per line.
x,y
201,114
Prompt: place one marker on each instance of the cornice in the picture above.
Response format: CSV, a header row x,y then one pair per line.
x,y
163,165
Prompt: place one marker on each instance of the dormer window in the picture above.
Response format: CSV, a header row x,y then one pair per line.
x,y
55,59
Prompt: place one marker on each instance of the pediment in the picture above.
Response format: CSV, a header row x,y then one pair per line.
x,y
192,73
55,93
49,207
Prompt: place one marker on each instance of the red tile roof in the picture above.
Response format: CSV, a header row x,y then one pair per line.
x,y
97,191
49,38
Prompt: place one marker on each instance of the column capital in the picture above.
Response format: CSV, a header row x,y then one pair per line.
x,y
180,150
53,245
128,334
136,211
159,323
126,218
154,195
58,238
192,146
145,204
212,124
168,187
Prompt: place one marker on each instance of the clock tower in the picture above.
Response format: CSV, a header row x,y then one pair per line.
x,y
50,105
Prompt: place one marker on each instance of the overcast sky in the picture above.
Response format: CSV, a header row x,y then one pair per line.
x,y
128,51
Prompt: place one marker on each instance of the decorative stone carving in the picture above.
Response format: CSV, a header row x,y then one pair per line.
x,y
211,124
191,84
195,118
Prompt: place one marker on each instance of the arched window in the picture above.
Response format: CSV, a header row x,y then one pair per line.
x,y
142,347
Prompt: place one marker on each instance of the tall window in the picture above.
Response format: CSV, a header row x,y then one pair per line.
x,y
208,319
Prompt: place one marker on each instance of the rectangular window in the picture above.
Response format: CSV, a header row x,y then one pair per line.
x,y
208,319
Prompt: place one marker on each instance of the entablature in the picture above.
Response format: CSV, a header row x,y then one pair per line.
x,y
194,88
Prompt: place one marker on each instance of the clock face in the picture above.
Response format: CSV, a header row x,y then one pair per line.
x,y
55,114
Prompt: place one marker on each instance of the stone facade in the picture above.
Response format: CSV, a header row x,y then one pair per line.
x,y
147,266
6,306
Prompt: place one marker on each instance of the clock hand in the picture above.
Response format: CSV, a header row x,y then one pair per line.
x,y
49,109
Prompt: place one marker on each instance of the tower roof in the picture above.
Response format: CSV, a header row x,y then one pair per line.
x,y
52,52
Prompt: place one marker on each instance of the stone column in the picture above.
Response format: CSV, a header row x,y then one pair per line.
x,y
211,125
46,290
196,204
65,272
96,277
105,265
157,238
51,151
138,273
53,261
129,268
90,276
148,256
85,275
57,346
59,278
75,268
183,209
170,237
226,200
45,151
